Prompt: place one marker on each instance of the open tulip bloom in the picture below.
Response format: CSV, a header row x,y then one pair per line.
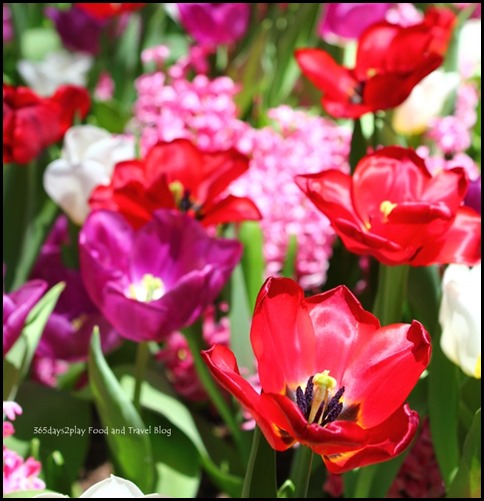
x,y
390,61
332,378
392,208
151,282
177,175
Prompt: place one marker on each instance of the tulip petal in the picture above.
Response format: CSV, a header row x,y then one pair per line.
x,y
281,333
337,437
385,366
385,441
335,81
231,209
223,365
330,192
219,169
341,325
460,245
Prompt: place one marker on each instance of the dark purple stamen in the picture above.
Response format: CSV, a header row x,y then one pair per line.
x,y
334,407
308,394
185,202
303,400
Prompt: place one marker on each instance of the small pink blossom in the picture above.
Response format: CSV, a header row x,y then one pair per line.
x,y
105,87
404,14
18,474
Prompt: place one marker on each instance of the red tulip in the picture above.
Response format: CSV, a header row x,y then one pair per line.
x,y
31,123
107,10
394,210
177,175
332,379
390,61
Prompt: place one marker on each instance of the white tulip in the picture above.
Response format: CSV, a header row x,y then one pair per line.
x,y
112,487
460,317
425,103
58,68
469,48
88,159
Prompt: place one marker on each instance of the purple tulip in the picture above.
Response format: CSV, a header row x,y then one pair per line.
x,y
349,20
68,330
212,24
151,282
16,308
473,197
77,29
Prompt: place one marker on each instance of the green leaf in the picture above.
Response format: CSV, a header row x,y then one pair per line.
x,y
424,295
130,450
296,30
20,356
391,293
58,420
180,417
250,234
443,378
240,320
251,68
467,481
55,473
358,145
109,115
260,480
286,490
177,462
34,237
444,409
27,494
289,267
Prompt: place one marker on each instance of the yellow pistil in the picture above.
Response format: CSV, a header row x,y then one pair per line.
x,y
150,288
386,208
177,189
323,383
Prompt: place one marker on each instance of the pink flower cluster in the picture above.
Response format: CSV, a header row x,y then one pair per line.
x,y
295,143
452,134
169,106
18,474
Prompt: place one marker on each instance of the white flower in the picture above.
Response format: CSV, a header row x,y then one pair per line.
x,y
88,159
460,317
58,68
112,487
469,48
425,102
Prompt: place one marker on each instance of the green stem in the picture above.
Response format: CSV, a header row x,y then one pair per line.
x,y
142,357
250,465
363,482
391,293
194,338
301,471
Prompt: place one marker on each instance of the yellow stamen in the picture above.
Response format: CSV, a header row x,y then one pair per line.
x,y
177,189
323,384
386,208
150,288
